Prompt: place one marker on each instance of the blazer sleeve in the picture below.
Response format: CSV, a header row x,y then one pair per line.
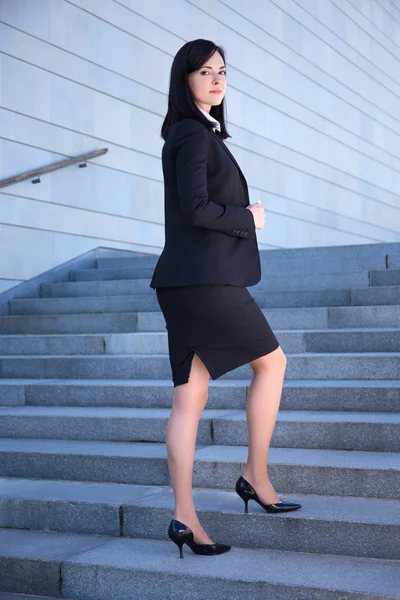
x,y
191,151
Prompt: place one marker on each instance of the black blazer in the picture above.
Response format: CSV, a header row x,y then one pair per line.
x,y
210,237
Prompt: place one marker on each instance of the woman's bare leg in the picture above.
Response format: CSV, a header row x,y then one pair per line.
x,y
188,403
262,407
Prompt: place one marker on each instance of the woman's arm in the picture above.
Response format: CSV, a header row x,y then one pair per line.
x,y
191,151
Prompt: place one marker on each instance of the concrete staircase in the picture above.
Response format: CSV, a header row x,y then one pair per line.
x,y
85,395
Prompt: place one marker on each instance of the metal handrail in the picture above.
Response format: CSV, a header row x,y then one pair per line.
x,y
53,167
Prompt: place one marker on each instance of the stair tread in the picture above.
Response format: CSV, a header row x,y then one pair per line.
x,y
326,508
299,569
104,412
165,354
357,459
255,291
10,596
154,333
290,383
119,559
265,274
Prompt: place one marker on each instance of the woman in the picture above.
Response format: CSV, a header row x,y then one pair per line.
x,y
210,255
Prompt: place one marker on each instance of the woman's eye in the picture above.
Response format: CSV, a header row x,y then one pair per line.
x,y
204,72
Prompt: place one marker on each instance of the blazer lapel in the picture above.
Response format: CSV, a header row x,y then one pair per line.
x,y
229,153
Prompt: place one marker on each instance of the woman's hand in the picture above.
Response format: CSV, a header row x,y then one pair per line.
x,y
258,214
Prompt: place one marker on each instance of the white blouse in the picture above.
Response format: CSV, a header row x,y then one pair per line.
x,y
210,118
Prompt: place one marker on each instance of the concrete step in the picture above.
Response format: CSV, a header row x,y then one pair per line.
x,y
315,429
372,249
279,318
369,297
356,395
141,262
104,304
9,596
105,289
388,277
146,266
30,561
102,290
96,423
297,470
73,323
82,566
362,365
269,282
393,261
140,279
362,316
322,340
375,256
375,296
378,432
323,525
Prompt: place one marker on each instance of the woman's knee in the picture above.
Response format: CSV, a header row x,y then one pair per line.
x,y
189,399
271,362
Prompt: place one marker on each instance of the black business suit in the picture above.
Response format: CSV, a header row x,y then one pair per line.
x,y
210,256
210,236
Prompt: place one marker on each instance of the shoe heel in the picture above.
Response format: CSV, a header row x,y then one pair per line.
x,y
244,495
179,542
180,534
245,499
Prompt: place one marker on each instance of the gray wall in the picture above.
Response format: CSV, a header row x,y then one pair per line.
x,y
313,108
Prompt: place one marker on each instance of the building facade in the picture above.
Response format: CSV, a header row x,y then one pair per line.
x,y
313,92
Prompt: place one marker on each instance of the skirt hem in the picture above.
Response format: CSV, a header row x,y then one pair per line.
x,y
215,373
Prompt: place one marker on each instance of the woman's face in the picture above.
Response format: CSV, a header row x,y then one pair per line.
x,y
211,76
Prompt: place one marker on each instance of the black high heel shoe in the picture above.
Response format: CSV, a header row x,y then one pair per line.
x,y
181,534
247,492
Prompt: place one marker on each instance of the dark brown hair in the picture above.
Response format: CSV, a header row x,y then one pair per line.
x,y
191,57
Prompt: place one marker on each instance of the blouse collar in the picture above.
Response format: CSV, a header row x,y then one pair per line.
x,y
216,123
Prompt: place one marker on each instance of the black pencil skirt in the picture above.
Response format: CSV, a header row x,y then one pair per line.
x,y
221,323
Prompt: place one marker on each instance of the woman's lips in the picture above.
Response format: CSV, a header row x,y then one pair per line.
x,y
215,91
